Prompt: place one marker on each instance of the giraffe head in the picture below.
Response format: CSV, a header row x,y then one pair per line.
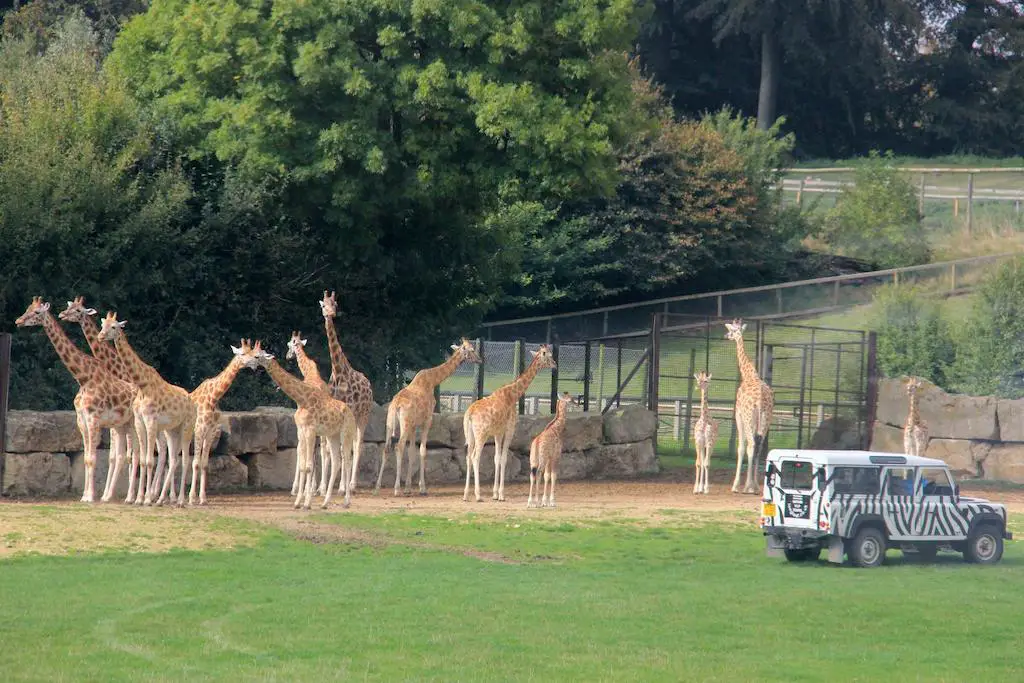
x,y
466,352
703,380
245,354
329,305
734,330
914,385
565,402
34,314
543,357
262,357
110,328
294,344
76,311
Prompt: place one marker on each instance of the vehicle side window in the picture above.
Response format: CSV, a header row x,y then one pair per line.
x,y
797,475
900,482
934,481
858,480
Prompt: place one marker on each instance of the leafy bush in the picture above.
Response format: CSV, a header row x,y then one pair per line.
x,y
913,339
876,219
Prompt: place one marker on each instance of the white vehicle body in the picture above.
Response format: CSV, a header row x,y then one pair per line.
x,y
813,500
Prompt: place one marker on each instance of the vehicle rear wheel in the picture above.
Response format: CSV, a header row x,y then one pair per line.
x,y
868,548
984,544
802,554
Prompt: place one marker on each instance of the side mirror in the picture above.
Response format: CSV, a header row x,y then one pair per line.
x,y
956,490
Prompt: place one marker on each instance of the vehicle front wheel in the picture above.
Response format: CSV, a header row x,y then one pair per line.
x,y
868,548
802,554
984,545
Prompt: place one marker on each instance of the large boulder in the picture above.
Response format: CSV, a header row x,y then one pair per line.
x,y
583,431
37,474
1011,419
102,466
964,457
226,472
287,436
527,427
1005,462
248,432
29,431
886,439
629,424
575,464
837,433
272,470
948,416
375,431
624,460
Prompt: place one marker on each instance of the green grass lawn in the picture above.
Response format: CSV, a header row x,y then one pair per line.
x,y
606,600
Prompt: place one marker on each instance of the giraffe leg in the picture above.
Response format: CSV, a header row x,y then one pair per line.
x,y
410,450
186,444
545,479
478,451
554,479
497,464
157,474
401,453
741,431
325,464
147,474
533,474
204,468
173,449
357,450
89,457
753,446
298,461
424,432
133,468
118,445
308,470
506,443
197,461
696,465
334,446
383,461
304,463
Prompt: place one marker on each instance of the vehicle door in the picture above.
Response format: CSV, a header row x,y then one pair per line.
x,y
940,518
901,510
794,494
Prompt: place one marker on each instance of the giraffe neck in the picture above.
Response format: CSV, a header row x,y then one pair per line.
x,y
703,404
439,373
308,367
914,417
302,394
81,365
142,375
340,366
747,369
220,383
103,351
522,383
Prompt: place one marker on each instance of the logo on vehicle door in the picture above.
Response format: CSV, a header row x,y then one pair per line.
x,y
798,506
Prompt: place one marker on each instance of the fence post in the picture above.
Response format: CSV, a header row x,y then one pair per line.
x,y
677,418
952,277
618,374
654,368
835,293
800,409
586,377
480,370
5,386
520,365
778,300
800,194
970,202
554,378
719,297
689,397
920,198
547,340
871,400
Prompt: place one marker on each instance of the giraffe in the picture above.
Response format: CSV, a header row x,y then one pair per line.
x,y
412,408
311,376
77,312
754,403
915,431
330,418
346,383
164,408
496,416
206,397
705,433
545,451
102,401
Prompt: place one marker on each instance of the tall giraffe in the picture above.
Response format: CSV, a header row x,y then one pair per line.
x,y
77,312
330,418
346,383
206,398
705,433
496,416
412,408
102,401
545,452
164,408
754,404
915,431
303,419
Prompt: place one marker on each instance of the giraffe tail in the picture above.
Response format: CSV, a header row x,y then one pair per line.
x,y
467,429
390,424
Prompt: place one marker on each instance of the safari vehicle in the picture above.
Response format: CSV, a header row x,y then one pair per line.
x,y
861,503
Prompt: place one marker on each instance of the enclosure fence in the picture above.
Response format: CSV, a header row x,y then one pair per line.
x,y
788,300
5,386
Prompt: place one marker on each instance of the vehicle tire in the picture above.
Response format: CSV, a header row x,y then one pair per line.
x,y
926,552
984,544
802,554
868,548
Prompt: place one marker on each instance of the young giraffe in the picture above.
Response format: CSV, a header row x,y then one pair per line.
x,y
303,420
346,383
206,397
102,401
545,451
331,419
754,404
164,407
705,433
496,416
412,408
77,312
915,431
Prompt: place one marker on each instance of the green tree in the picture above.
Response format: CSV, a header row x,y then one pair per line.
x,y
913,338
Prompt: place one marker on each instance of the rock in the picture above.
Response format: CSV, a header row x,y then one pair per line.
x,y
574,465
948,416
582,431
102,465
37,474
226,472
1005,462
963,457
272,470
1011,419
374,431
837,433
516,468
287,436
249,432
623,460
629,424
886,439
527,427
369,461
450,432
29,431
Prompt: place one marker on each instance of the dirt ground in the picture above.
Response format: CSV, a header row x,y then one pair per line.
x,y
68,527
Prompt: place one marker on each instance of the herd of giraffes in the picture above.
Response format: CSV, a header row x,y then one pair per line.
x,y
153,423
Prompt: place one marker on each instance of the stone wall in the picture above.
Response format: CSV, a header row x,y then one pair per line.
x,y
256,450
979,437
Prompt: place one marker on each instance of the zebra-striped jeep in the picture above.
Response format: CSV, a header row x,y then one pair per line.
x,y
861,503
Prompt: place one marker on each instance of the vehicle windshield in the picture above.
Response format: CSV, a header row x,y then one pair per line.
x,y
796,475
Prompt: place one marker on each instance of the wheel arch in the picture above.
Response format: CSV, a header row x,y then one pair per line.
x,y
864,521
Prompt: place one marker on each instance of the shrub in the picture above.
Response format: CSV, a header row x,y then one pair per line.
x,y
913,339
876,219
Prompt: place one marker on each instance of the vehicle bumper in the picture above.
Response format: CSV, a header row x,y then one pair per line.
x,y
780,538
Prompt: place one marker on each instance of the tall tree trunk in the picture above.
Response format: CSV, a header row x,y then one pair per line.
x,y
770,63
